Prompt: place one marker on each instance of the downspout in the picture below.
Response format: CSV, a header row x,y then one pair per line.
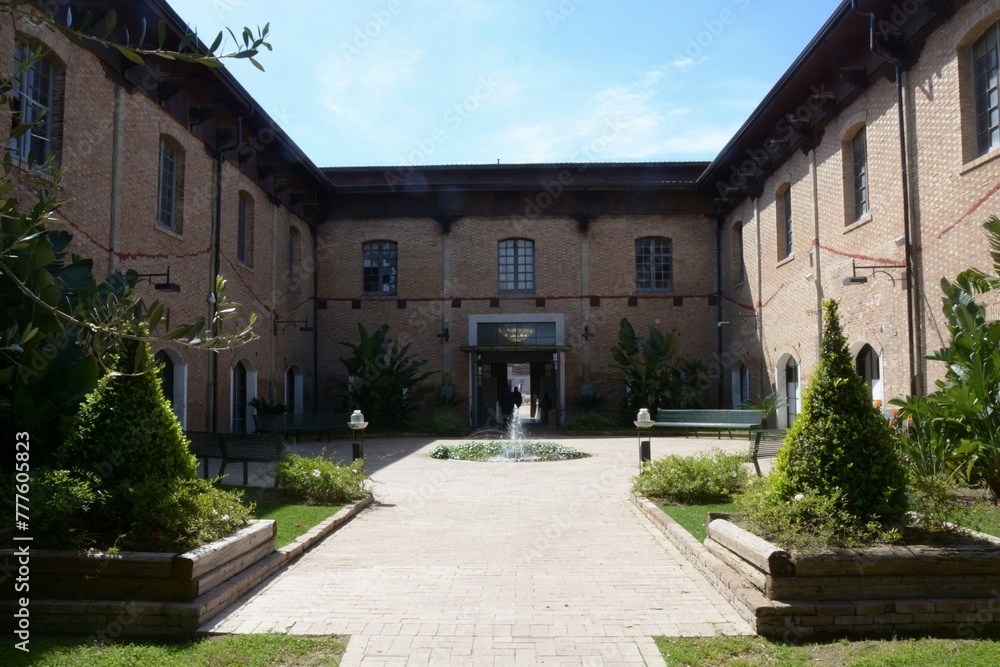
x,y
719,222
117,175
907,242
315,313
211,414
759,307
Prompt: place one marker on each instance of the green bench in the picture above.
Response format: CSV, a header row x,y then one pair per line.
x,y
766,443
205,446
237,448
297,425
709,420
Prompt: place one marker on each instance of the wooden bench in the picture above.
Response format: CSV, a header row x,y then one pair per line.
x,y
205,446
256,447
296,425
766,443
710,420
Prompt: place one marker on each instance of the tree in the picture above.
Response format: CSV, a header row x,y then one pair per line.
x,y
382,378
840,445
57,323
656,375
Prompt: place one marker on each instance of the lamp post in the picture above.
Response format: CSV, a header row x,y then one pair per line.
x,y
643,421
357,423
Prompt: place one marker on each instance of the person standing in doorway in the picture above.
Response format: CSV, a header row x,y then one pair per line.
x,y
507,406
545,405
518,399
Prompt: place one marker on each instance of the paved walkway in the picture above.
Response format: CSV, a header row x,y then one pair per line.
x,y
461,563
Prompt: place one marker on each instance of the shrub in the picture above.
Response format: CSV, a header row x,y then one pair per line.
x,y
183,514
60,501
840,446
483,450
807,520
129,452
588,421
319,481
707,477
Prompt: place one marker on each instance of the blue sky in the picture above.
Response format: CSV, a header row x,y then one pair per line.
x,y
423,82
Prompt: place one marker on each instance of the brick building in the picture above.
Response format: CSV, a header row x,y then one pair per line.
x,y
872,158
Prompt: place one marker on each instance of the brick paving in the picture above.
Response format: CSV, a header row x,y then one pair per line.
x,y
462,563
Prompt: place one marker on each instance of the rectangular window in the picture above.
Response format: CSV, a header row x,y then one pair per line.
x,y
985,73
654,265
166,215
517,266
859,163
32,96
380,268
784,208
293,256
243,231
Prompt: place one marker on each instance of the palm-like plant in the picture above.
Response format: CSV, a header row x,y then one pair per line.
x,y
656,374
382,378
963,414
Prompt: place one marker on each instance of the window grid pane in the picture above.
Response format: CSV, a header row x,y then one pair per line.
x,y
32,93
168,187
985,69
241,232
787,200
654,265
379,268
859,157
517,266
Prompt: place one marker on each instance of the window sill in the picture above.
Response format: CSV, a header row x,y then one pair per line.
x,y
378,295
864,220
786,260
979,162
654,291
169,232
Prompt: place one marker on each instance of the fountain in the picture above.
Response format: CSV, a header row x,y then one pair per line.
x,y
509,445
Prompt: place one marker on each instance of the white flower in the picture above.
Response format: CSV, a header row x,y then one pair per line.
x,y
225,517
799,496
316,473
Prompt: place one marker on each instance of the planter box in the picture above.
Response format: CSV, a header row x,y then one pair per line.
x,y
141,576
950,590
926,590
146,594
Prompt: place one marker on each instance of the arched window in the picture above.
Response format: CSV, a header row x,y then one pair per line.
x,y
654,264
243,389
293,390
517,266
869,368
740,385
380,267
173,378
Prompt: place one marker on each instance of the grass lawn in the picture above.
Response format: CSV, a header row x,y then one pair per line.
x,y
293,520
987,519
243,650
692,517
754,652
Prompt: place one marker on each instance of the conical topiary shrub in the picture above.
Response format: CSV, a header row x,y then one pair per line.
x,y
840,445
128,440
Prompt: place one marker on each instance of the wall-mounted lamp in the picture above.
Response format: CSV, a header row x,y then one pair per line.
x,y
287,323
165,286
445,335
855,279
587,333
